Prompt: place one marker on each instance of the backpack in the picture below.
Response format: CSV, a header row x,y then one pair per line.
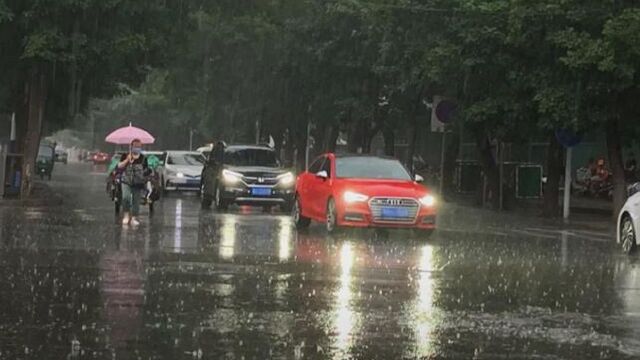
x,y
134,175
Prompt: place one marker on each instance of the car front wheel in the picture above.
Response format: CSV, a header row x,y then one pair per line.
x,y
300,220
627,235
331,222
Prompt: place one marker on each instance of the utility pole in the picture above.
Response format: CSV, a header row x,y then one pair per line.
x,y
93,131
258,131
442,159
567,185
501,173
307,147
190,139
308,144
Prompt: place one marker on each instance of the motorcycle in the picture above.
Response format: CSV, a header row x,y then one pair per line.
x,y
150,196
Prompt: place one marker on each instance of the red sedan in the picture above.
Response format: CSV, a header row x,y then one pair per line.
x,y
100,158
362,191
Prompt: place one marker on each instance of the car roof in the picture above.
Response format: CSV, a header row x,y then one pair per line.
x,y
180,152
354,155
241,147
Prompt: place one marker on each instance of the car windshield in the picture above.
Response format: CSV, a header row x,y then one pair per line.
x,y
251,157
45,151
368,167
185,159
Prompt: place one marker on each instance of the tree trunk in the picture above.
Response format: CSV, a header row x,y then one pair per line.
x,y
78,96
355,133
36,101
389,136
551,200
288,149
300,145
489,167
73,71
331,136
452,147
413,139
614,148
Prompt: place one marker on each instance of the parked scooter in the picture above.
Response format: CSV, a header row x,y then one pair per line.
x,y
598,185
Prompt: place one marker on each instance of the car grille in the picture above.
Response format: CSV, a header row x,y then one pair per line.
x,y
406,210
259,180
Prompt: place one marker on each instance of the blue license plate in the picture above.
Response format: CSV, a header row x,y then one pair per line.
x,y
260,191
394,213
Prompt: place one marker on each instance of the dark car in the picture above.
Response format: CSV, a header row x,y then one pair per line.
x,y
62,156
246,175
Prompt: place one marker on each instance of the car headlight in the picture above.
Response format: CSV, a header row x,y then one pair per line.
x,y
172,173
352,197
231,177
428,201
286,179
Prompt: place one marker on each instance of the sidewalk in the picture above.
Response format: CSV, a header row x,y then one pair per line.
x,y
464,217
41,195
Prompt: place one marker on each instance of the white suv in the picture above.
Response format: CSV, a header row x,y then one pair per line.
x,y
629,220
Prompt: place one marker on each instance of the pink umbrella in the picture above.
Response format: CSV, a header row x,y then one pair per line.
x,y
125,135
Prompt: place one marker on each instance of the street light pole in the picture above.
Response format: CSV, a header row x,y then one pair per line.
x,y
258,131
442,160
308,144
190,139
567,185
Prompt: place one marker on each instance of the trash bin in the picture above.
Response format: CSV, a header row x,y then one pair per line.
x,y
12,174
528,181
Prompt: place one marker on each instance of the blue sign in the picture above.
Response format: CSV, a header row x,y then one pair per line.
x,y
568,138
445,110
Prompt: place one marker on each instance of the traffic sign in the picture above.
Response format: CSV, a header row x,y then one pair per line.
x,y
442,112
568,138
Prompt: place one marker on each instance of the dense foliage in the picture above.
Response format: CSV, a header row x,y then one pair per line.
x,y
228,69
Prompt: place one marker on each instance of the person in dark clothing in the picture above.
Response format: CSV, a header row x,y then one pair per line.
x,y
135,170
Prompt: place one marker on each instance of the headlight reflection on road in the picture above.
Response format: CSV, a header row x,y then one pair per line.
x,y
345,320
285,238
177,234
423,310
228,233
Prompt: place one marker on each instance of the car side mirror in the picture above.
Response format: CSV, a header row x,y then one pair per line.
x,y
633,189
322,174
419,178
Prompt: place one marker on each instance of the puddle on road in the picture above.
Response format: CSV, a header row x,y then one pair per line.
x,y
208,285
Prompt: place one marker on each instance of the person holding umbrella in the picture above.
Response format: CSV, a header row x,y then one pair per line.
x,y
135,170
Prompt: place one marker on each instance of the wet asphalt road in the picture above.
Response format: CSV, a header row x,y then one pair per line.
x,y
192,284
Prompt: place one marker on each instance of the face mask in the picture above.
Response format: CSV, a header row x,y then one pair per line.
x,y
136,151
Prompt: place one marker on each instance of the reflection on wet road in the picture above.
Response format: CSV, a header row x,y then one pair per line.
x,y
192,284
